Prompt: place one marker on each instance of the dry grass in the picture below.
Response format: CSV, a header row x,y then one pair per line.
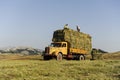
x,y
18,67
19,57
59,70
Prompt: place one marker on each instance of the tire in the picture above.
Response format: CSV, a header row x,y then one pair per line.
x,y
59,57
81,57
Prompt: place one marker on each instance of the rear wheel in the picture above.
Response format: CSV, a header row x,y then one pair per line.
x,y
81,57
59,57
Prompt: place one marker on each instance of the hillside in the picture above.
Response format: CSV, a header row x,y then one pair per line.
x,y
115,55
21,50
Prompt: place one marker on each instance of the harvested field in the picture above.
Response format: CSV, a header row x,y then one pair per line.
x,y
34,68
19,57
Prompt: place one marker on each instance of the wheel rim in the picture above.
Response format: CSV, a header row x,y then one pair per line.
x,y
81,57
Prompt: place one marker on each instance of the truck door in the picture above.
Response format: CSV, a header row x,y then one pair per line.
x,y
64,48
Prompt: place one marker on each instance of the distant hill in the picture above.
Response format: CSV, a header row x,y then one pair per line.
x,y
102,51
21,50
101,54
114,55
99,50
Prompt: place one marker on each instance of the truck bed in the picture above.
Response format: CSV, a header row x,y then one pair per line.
x,y
77,51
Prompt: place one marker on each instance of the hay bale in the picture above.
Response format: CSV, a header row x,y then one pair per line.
x,y
76,39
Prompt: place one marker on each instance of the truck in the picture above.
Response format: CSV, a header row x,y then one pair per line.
x,y
68,44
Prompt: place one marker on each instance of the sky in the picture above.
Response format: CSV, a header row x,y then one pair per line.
x,y
32,22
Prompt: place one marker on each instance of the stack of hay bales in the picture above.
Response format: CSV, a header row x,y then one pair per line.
x,y
78,40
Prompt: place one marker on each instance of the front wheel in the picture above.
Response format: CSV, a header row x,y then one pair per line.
x,y
81,57
59,57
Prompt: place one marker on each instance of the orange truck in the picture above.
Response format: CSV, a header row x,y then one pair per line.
x,y
68,44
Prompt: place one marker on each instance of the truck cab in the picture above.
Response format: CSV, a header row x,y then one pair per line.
x,y
56,50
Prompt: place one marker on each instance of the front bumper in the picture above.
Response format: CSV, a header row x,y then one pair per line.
x,y
47,56
52,54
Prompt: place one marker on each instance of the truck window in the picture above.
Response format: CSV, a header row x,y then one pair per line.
x,y
56,44
64,45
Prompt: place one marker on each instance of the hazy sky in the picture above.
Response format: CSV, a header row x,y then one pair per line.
x,y
32,22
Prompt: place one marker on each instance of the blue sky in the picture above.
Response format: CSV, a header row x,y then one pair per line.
x,y
32,22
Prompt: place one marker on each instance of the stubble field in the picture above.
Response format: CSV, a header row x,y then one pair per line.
x,y
34,68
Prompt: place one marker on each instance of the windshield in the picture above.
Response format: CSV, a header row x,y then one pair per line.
x,y
55,44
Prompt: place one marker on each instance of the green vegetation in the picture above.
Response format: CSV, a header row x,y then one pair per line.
x,y
59,70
